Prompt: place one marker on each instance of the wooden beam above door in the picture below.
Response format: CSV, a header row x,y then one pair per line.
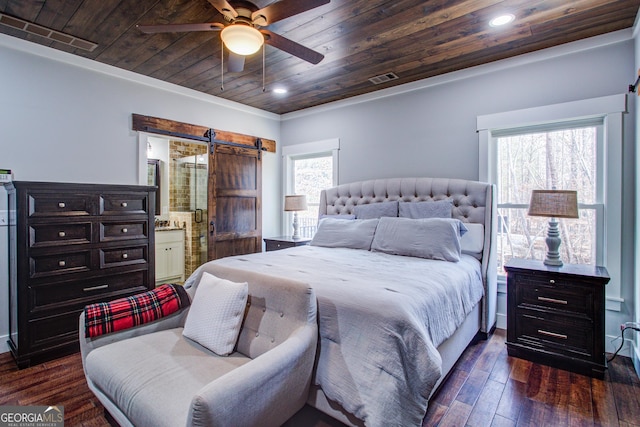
x,y
176,129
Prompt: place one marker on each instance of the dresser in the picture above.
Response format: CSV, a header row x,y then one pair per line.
x,y
283,242
555,315
71,245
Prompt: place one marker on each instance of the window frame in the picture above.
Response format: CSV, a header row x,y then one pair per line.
x,y
290,153
597,206
610,109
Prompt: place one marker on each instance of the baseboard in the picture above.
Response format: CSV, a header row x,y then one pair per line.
x,y
501,321
4,345
612,342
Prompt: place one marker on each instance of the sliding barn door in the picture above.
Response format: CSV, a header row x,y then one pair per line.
x,y
235,188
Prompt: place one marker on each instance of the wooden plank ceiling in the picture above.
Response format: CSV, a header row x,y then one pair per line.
x,y
359,38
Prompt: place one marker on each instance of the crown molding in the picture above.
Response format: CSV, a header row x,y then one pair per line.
x,y
503,64
28,47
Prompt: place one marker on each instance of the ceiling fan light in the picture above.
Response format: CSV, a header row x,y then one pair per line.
x,y
242,39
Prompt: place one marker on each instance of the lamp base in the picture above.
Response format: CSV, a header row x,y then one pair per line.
x,y
553,243
296,234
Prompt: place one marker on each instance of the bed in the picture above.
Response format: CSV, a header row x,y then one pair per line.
x,y
391,326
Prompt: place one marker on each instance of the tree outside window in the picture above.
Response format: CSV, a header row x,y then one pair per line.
x,y
563,159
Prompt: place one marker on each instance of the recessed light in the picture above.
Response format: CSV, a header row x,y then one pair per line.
x,y
501,20
280,90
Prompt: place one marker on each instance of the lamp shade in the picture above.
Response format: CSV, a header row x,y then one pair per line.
x,y
242,39
554,203
295,203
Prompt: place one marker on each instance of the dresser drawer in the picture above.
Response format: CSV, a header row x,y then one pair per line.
x,y
554,294
52,331
126,203
41,235
47,204
123,230
77,294
568,336
62,263
114,257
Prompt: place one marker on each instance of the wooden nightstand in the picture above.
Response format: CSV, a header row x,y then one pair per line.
x,y
283,242
555,315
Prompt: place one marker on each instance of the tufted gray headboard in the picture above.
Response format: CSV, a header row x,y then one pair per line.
x,y
473,202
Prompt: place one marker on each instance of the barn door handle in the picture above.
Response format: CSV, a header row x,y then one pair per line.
x,y
212,227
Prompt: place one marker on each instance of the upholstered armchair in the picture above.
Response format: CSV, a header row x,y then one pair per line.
x,y
152,375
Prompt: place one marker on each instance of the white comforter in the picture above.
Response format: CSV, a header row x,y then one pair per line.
x,y
381,318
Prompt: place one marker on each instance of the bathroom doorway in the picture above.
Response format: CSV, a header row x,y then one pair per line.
x,y
183,194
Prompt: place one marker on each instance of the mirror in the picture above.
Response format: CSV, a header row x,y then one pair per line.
x,y
153,178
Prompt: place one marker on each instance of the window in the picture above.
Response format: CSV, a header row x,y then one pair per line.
x,y
565,156
309,168
573,145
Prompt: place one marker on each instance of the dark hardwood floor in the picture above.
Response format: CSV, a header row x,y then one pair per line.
x,y
486,388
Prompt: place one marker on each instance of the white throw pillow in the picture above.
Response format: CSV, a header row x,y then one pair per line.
x,y
216,313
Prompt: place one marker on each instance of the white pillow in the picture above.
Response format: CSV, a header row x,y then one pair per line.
x,y
431,238
216,313
338,233
472,242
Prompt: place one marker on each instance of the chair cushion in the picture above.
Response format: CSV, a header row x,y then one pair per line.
x,y
216,313
152,378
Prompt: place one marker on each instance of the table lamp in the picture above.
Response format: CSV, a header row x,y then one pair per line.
x,y
295,203
553,204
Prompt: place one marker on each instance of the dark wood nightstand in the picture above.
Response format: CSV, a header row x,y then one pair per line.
x,y
555,315
283,242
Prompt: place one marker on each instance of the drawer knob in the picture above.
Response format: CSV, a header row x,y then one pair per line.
x,y
124,230
62,204
552,334
125,256
62,263
61,234
553,300
123,204
95,288
552,281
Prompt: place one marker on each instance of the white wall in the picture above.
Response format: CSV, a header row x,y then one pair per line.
x,y
431,129
64,118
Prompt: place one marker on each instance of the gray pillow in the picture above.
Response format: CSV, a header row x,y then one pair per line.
x,y
338,233
376,210
439,209
337,216
431,238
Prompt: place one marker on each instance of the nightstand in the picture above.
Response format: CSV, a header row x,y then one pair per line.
x,y
555,315
283,242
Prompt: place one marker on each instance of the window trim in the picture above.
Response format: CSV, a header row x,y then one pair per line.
x,y
299,151
610,109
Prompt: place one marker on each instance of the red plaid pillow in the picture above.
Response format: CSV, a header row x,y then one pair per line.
x,y
106,317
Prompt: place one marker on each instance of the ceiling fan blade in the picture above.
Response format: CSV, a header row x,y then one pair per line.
x,y
180,28
289,46
236,63
284,9
224,8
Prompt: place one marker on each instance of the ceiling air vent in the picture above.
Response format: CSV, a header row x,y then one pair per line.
x,y
383,78
47,33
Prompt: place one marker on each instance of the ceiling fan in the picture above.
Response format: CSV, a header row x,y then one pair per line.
x,y
242,29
